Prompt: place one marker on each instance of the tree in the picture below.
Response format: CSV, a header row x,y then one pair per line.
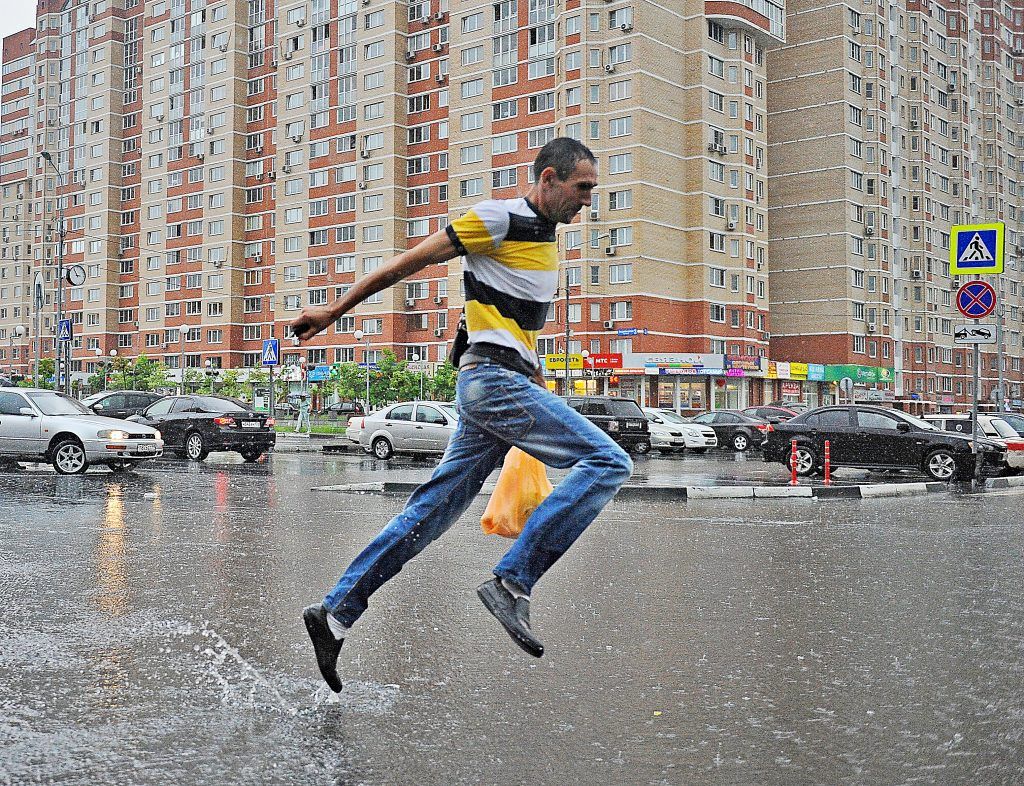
x,y
442,384
230,385
43,372
193,380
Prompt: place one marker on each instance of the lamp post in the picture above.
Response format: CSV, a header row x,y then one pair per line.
x,y
16,332
358,335
62,348
416,359
583,371
208,370
102,366
113,355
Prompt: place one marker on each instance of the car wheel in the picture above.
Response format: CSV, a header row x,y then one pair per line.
x,y
806,461
382,448
69,458
740,442
941,465
251,455
641,448
195,447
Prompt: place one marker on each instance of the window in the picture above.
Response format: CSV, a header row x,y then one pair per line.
x,y
621,309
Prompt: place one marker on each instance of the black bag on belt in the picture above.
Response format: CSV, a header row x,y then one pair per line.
x,y
460,343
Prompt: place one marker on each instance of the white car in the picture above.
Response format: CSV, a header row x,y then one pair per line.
x,y
993,427
671,432
354,428
409,427
44,425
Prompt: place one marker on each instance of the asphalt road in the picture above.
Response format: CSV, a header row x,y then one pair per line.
x,y
150,634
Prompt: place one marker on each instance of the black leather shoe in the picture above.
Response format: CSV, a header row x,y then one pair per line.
x,y
325,645
512,612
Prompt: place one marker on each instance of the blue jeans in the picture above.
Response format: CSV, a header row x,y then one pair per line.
x,y
497,408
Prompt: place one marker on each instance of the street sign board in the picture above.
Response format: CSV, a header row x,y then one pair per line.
x,y
976,248
631,331
980,333
846,385
271,355
64,330
319,374
976,299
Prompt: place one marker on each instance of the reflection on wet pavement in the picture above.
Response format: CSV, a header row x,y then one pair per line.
x,y
150,635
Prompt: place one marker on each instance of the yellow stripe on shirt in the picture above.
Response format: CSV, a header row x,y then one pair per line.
x,y
480,316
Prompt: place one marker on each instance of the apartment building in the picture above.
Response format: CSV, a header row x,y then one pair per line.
x,y
223,164
888,125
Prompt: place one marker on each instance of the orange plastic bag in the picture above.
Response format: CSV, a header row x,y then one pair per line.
x,y
522,486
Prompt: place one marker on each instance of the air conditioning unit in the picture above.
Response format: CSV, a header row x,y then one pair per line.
x,y
361,185
286,169
51,123
609,251
438,48
625,28
223,47
272,175
366,2
288,55
439,16
1020,102
259,175
258,150
257,259
950,88
364,153
200,156
913,125
217,263
869,230
766,336
439,332
438,300
730,225
297,138
410,56
915,274
300,22
608,324
610,68
440,78
410,302
871,327
594,214
159,117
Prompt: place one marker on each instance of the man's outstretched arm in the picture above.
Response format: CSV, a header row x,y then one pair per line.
x,y
436,248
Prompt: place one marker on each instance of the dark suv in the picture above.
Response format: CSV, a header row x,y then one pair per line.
x,y
620,418
194,426
342,409
121,403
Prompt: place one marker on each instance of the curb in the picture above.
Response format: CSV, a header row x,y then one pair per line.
x,y
1004,483
682,493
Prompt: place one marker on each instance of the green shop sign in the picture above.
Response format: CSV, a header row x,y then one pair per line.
x,y
865,375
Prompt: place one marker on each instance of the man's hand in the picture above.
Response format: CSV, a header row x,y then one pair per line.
x,y
311,321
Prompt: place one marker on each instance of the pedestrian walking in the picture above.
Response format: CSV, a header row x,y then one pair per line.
x,y
510,277
302,418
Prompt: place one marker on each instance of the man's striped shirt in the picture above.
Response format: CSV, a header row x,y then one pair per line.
x,y
511,273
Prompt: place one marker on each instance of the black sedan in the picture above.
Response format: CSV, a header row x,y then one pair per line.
x,y
121,403
735,429
194,426
342,409
876,438
771,413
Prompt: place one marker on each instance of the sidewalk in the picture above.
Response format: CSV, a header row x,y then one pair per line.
x,y
290,442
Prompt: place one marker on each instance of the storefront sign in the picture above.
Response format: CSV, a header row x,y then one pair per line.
x,y
798,370
782,369
861,375
772,372
735,372
676,363
746,363
815,372
558,362
791,388
613,360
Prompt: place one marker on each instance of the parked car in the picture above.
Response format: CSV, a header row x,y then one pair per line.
x,y
342,409
354,428
871,437
409,427
6,382
121,403
771,413
44,425
795,406
671,432
196,425
993,427
286,409
735,429
1015,420
621,418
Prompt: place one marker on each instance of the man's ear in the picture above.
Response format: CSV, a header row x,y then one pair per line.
x,y
549,174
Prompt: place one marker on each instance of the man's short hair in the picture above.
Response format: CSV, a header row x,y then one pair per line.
x,y
562,154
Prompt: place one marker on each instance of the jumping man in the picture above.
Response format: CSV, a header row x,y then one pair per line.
x,y
511,276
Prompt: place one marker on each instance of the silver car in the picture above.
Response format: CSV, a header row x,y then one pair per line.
x,y
671,432
409,427
43,425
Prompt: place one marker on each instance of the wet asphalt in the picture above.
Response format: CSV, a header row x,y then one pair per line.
x,y
150,634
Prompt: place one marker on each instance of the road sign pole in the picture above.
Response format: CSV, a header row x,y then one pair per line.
x,y
974,440
1000,311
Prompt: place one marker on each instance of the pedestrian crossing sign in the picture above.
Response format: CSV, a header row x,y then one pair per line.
x,y
64,330
976,249
271,352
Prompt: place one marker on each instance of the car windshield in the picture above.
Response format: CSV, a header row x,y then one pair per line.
x,y
52,403
214,404
1016,422
924,425
1004,429
671,417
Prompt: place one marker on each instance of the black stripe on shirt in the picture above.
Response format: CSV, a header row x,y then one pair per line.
x,y
454,237
530,229
528,314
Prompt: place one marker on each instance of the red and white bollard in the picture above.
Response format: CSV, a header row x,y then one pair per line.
x,y
792,463
828,463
